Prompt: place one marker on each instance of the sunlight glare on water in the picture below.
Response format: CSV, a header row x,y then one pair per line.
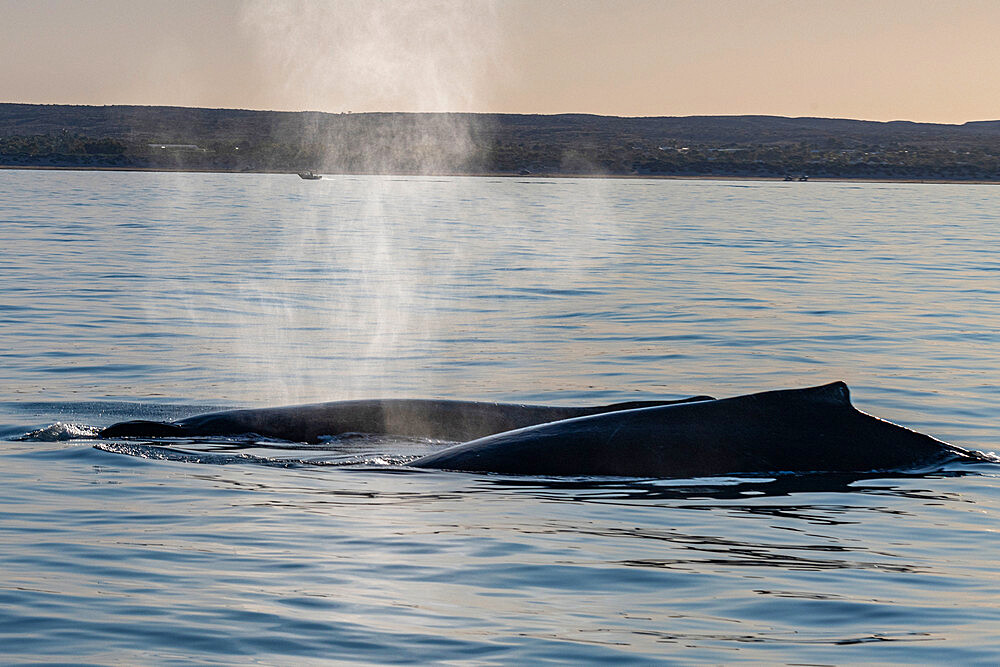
x,y
157,296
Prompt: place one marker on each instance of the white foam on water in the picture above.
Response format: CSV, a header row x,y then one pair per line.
x,y
60,431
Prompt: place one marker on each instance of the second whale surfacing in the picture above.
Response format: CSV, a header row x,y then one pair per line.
x,y
418,418
798,430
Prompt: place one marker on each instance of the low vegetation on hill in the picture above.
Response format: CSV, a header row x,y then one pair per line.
x,y
132,137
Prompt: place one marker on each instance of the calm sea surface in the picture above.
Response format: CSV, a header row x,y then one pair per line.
x,y
157,296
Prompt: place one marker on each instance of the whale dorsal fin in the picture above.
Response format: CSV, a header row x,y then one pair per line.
x,y
835,392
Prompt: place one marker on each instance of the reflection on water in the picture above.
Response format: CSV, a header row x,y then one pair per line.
x,y
247,290
372,563
159,296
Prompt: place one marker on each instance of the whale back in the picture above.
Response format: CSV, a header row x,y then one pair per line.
x,y
421,418
813,429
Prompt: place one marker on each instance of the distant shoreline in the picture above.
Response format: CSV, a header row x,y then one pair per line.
x,y
502,145
662,177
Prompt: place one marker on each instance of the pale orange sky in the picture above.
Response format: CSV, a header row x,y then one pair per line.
x,y
936,61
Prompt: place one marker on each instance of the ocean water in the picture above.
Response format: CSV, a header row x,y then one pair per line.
x,y
161,295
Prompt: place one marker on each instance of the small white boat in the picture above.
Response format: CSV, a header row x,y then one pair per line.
x,y
309,175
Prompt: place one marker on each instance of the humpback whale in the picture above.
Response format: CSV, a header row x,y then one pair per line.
x,y
419,418
797,430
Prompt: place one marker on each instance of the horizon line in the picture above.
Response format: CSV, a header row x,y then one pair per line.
x,y
505,113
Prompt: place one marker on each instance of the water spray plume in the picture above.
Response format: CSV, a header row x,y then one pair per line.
x,y
430,59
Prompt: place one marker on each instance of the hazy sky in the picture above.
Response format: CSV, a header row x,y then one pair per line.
x,y
936,60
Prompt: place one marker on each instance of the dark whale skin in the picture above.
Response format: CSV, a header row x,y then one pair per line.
x,y
420,418
796,430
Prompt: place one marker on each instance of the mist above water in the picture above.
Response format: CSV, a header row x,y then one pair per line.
x,y
438,56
